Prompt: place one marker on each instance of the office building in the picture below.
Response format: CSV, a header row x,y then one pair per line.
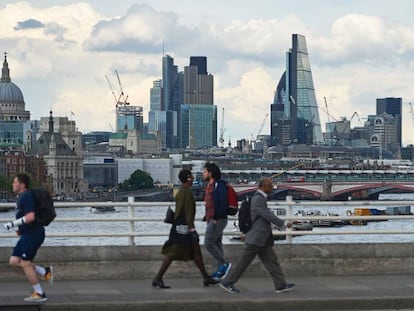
x,y
392,106
295,94
63,158
171,102
198,113
199,126
129,118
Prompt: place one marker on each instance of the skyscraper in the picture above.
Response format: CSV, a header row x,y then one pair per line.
x,y
200,62
392,106
295,91
171,100
198,113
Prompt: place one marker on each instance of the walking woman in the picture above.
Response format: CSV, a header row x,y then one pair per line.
x,y
183,243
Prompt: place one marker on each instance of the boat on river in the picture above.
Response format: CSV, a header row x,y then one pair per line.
x,y
102,209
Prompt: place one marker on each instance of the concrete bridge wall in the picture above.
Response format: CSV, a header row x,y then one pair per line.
x,y
126,262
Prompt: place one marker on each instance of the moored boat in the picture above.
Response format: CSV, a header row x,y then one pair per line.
x,y
102,209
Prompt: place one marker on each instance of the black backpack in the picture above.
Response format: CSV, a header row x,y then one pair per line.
x,y
45,210
245,218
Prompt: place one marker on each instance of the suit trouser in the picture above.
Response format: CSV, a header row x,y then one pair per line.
x,y
267,257
213,239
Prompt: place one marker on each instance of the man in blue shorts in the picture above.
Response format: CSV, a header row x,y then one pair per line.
x,y
32,235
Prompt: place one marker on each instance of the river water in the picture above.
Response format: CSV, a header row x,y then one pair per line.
x,y
159,226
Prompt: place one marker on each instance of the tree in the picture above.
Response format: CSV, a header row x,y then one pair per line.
x,y
138,180
5,187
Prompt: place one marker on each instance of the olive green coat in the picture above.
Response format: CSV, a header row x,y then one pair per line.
x,y
184,203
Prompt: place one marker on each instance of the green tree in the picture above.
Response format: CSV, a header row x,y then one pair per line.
x,y
5,186
138,180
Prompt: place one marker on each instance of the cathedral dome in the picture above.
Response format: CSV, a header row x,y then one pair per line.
x,y
10,93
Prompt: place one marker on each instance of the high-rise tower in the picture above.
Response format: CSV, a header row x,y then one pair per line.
x,y
295,91
198,114
392,106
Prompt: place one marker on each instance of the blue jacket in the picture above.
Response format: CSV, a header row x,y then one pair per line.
x,y
220,200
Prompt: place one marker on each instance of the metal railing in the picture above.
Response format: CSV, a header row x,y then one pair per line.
x,y
289,205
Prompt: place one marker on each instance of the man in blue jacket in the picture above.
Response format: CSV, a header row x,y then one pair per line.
x,y
259,241
216,217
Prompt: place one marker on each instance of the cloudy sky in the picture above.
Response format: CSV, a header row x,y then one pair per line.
x,y
60,51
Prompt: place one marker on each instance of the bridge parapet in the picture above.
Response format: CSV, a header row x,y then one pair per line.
x,y
122,262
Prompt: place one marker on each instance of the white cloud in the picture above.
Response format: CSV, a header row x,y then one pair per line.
x,y
247,103
360,38
141,29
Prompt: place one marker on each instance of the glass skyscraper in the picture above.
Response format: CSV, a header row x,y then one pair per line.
x,y
296,92
199,125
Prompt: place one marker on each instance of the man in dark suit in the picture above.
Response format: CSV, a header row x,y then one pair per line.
x,y
259,241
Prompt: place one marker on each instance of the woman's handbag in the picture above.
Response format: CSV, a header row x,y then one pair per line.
x,y
169,216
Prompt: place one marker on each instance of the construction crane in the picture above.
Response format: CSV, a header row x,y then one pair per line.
x,y
327,112
112,89
355,114
331,130
287,170
259,132
411,111
122,94
221,139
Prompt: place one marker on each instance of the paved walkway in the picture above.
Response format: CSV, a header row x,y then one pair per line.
x,y
389,292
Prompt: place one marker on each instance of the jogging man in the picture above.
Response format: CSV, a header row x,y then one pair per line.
x,y
32,235
216,217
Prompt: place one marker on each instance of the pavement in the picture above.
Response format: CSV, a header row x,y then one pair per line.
x,y
379,292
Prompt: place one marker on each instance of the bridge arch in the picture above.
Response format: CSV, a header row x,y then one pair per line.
x,y
386,186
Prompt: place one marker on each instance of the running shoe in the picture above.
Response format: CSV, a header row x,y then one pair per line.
x,y
36,297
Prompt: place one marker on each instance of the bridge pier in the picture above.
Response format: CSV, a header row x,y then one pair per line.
x,y
326,191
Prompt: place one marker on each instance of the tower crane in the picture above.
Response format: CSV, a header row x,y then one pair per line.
x,y
355,114
329,121
221,139
122,94
112,89
259,132
411,111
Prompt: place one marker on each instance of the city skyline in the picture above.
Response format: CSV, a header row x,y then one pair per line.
x,y
59,55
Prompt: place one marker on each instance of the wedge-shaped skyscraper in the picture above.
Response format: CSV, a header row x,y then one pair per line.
x,y
294,112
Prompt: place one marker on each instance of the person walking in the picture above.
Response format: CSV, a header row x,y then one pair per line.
x,y
216,208
32,235
183,243
259,241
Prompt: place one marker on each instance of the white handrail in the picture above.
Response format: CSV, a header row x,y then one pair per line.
x,y
131,233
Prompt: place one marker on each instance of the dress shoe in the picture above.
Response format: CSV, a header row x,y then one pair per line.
x,y
159,284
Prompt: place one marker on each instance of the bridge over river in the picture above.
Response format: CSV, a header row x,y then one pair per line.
x,y
334,190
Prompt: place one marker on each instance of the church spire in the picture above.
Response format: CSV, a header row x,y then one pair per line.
x,y
5,72
51,125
